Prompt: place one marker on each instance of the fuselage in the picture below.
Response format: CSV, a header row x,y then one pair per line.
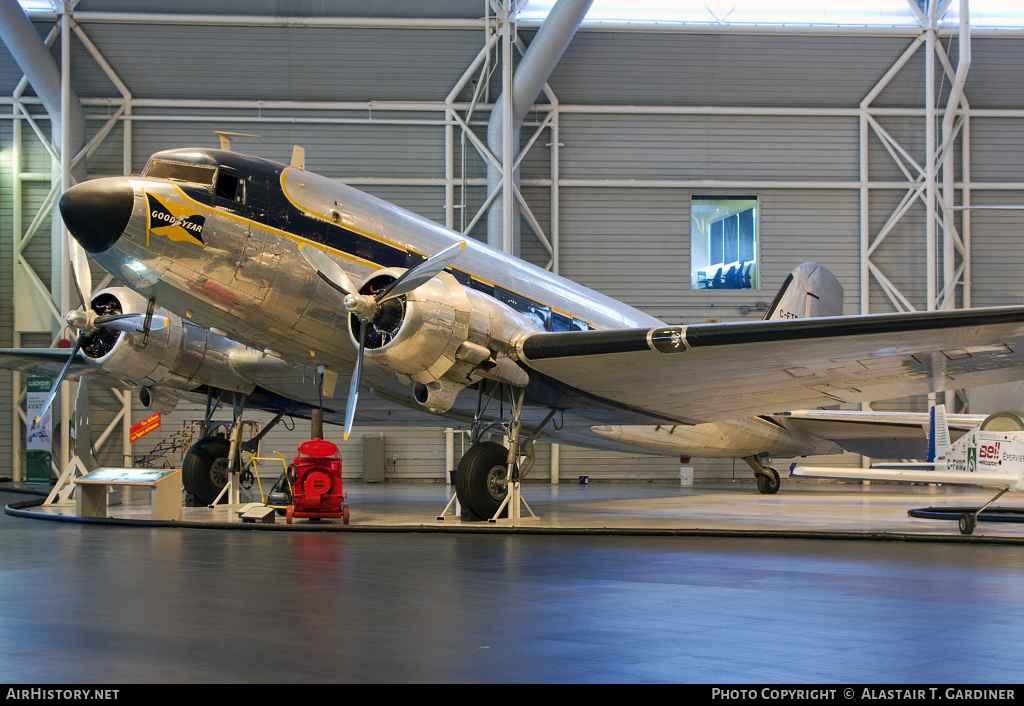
x,y
239,270
214,236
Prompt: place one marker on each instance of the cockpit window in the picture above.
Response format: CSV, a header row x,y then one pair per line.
x,y
192,173
230,186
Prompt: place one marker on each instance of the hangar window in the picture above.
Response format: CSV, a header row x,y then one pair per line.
x,y
723,242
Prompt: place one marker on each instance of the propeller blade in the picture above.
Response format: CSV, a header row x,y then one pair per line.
x,y
423,272
353,388
60,378
329,271
83,431
80,270
131,323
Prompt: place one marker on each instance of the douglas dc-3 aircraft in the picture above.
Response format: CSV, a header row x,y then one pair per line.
x,y
246,275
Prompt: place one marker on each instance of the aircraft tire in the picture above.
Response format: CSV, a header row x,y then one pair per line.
x,y
967,523
769,486
203,472
480,478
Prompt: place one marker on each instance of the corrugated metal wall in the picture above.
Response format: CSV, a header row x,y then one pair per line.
x,y
627,176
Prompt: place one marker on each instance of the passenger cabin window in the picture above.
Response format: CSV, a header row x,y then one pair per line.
x,y
535,312
192,173
563,323
724,242
540,314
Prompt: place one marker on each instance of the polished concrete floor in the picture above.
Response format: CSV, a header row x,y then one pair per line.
x,y
767,592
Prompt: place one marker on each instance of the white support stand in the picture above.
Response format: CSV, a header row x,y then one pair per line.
x,y
454,501
513,500
231,488
62,494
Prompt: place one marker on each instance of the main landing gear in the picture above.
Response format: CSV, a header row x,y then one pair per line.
x,y
969,520
768,480
213,461
488,476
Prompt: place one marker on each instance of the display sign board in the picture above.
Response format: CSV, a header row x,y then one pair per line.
x,y
128,476
144,427
38,440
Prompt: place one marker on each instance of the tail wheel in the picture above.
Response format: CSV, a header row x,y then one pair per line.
x,y
769,484
204,472
481,478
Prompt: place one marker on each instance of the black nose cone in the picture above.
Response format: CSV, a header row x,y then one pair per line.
x,y
97,212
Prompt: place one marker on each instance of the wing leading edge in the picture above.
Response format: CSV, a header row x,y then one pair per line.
x,y
710,372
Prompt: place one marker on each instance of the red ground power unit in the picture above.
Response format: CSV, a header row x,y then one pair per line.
x,y
317,491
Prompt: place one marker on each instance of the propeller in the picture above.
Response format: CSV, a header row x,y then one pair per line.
x,y
83,432
81,271
367,307
89,322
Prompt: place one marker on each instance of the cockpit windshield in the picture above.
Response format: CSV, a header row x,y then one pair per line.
x,y
193,173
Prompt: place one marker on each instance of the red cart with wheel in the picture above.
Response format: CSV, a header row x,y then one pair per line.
x,y
317,491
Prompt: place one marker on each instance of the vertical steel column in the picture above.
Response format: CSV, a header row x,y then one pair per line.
x,y
865,214
65,183
507,157
555,204
929,164
16,433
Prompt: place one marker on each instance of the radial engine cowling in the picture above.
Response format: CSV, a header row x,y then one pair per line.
x,y
442,337
166,362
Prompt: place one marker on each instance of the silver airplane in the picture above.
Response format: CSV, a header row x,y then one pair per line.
x,y
244,275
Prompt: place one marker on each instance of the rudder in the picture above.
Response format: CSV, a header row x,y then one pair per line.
x,y
809,292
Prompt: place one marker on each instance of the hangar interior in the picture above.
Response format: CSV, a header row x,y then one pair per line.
x,y
888,153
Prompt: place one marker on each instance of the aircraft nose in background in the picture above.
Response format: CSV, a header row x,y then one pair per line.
x,y
97,212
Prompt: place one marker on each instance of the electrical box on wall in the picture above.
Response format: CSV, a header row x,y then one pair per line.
x,y
373,458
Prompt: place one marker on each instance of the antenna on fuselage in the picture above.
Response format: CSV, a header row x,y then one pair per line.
x,y
299,157
225,138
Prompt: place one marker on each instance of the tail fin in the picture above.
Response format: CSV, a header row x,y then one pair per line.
x,y
809,292
938,434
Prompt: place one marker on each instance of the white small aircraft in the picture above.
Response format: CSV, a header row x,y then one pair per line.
x,y
991,455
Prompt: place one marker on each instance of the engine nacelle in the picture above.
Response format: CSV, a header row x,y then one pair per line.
x,y
442,337
167,362
160,399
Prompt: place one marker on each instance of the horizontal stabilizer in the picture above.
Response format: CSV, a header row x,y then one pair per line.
x,y
910,473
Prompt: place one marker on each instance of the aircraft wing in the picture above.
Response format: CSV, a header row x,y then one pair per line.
x,y
711,372
818,418
910,473
43,362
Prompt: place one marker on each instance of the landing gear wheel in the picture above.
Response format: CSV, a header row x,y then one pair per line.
x,y
481,478
769,485
204,472
967,523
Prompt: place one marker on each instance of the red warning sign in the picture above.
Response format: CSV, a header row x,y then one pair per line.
x,y
144,427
